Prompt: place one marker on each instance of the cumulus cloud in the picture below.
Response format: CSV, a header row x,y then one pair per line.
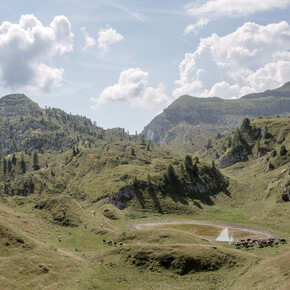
x,y
215,9
230,8
89,41
252,58
108,36
133,87
25,46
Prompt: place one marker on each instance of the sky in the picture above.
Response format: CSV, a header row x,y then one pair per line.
x,y
122,62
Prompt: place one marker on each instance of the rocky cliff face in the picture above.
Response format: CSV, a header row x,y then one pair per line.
x,y
192,112
231,159
120,199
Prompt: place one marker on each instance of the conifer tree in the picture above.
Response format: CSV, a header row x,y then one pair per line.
x,y
22,164
245,126
14,159
182,170
133,151
171,175
35,160
283,150
135,181
149,180
9,166
4,166
188,165
31,186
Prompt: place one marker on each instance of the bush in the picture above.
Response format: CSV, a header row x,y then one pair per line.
x,y
283,150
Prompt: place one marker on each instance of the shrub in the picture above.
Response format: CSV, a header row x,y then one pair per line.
x,y
283,150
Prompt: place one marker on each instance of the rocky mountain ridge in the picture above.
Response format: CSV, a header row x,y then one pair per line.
x,y
191,112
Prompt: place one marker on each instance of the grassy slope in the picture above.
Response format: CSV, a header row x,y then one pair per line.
x,y
142,263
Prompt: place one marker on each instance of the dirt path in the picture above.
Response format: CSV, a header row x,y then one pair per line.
x,y
220,225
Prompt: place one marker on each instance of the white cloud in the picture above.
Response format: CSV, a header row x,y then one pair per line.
x,y
230,8
25,46
89,41
195,27
216,9
108,36
133,87
252,58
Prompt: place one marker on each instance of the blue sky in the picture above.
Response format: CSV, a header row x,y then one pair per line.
x,y
121,63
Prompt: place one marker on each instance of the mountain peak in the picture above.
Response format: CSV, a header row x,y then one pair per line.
x,y
284,88
16,104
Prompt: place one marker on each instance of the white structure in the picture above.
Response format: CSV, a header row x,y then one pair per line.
x,y
224,236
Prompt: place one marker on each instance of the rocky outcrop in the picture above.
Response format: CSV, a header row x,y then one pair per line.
x,y
232,158
120,199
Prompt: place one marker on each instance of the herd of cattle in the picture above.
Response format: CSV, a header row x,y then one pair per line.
x,y
260,243
112,243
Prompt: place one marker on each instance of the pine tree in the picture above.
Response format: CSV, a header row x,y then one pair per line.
x,y
283,150
4,166
22,164
229,144
148,145
188,165
35,160
74,153
135,182
171,175
245,126
149,180
9,166
14,159
265,132
31,186
133,151
182,170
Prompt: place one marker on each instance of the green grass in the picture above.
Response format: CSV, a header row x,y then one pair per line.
x,y
164,257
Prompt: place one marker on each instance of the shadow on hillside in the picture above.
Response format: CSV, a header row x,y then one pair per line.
x,y
176,193
140,198
197,204
155,199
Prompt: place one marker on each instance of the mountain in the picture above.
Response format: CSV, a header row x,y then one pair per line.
x,y
187,116
26,126
52,152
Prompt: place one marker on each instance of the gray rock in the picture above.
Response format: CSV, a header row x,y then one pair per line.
x,y
233,158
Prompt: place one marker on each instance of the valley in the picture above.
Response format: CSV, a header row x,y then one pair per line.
x,y
161,206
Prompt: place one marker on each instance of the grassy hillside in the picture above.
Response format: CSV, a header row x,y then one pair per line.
x,y
60,207
24,126
260,180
